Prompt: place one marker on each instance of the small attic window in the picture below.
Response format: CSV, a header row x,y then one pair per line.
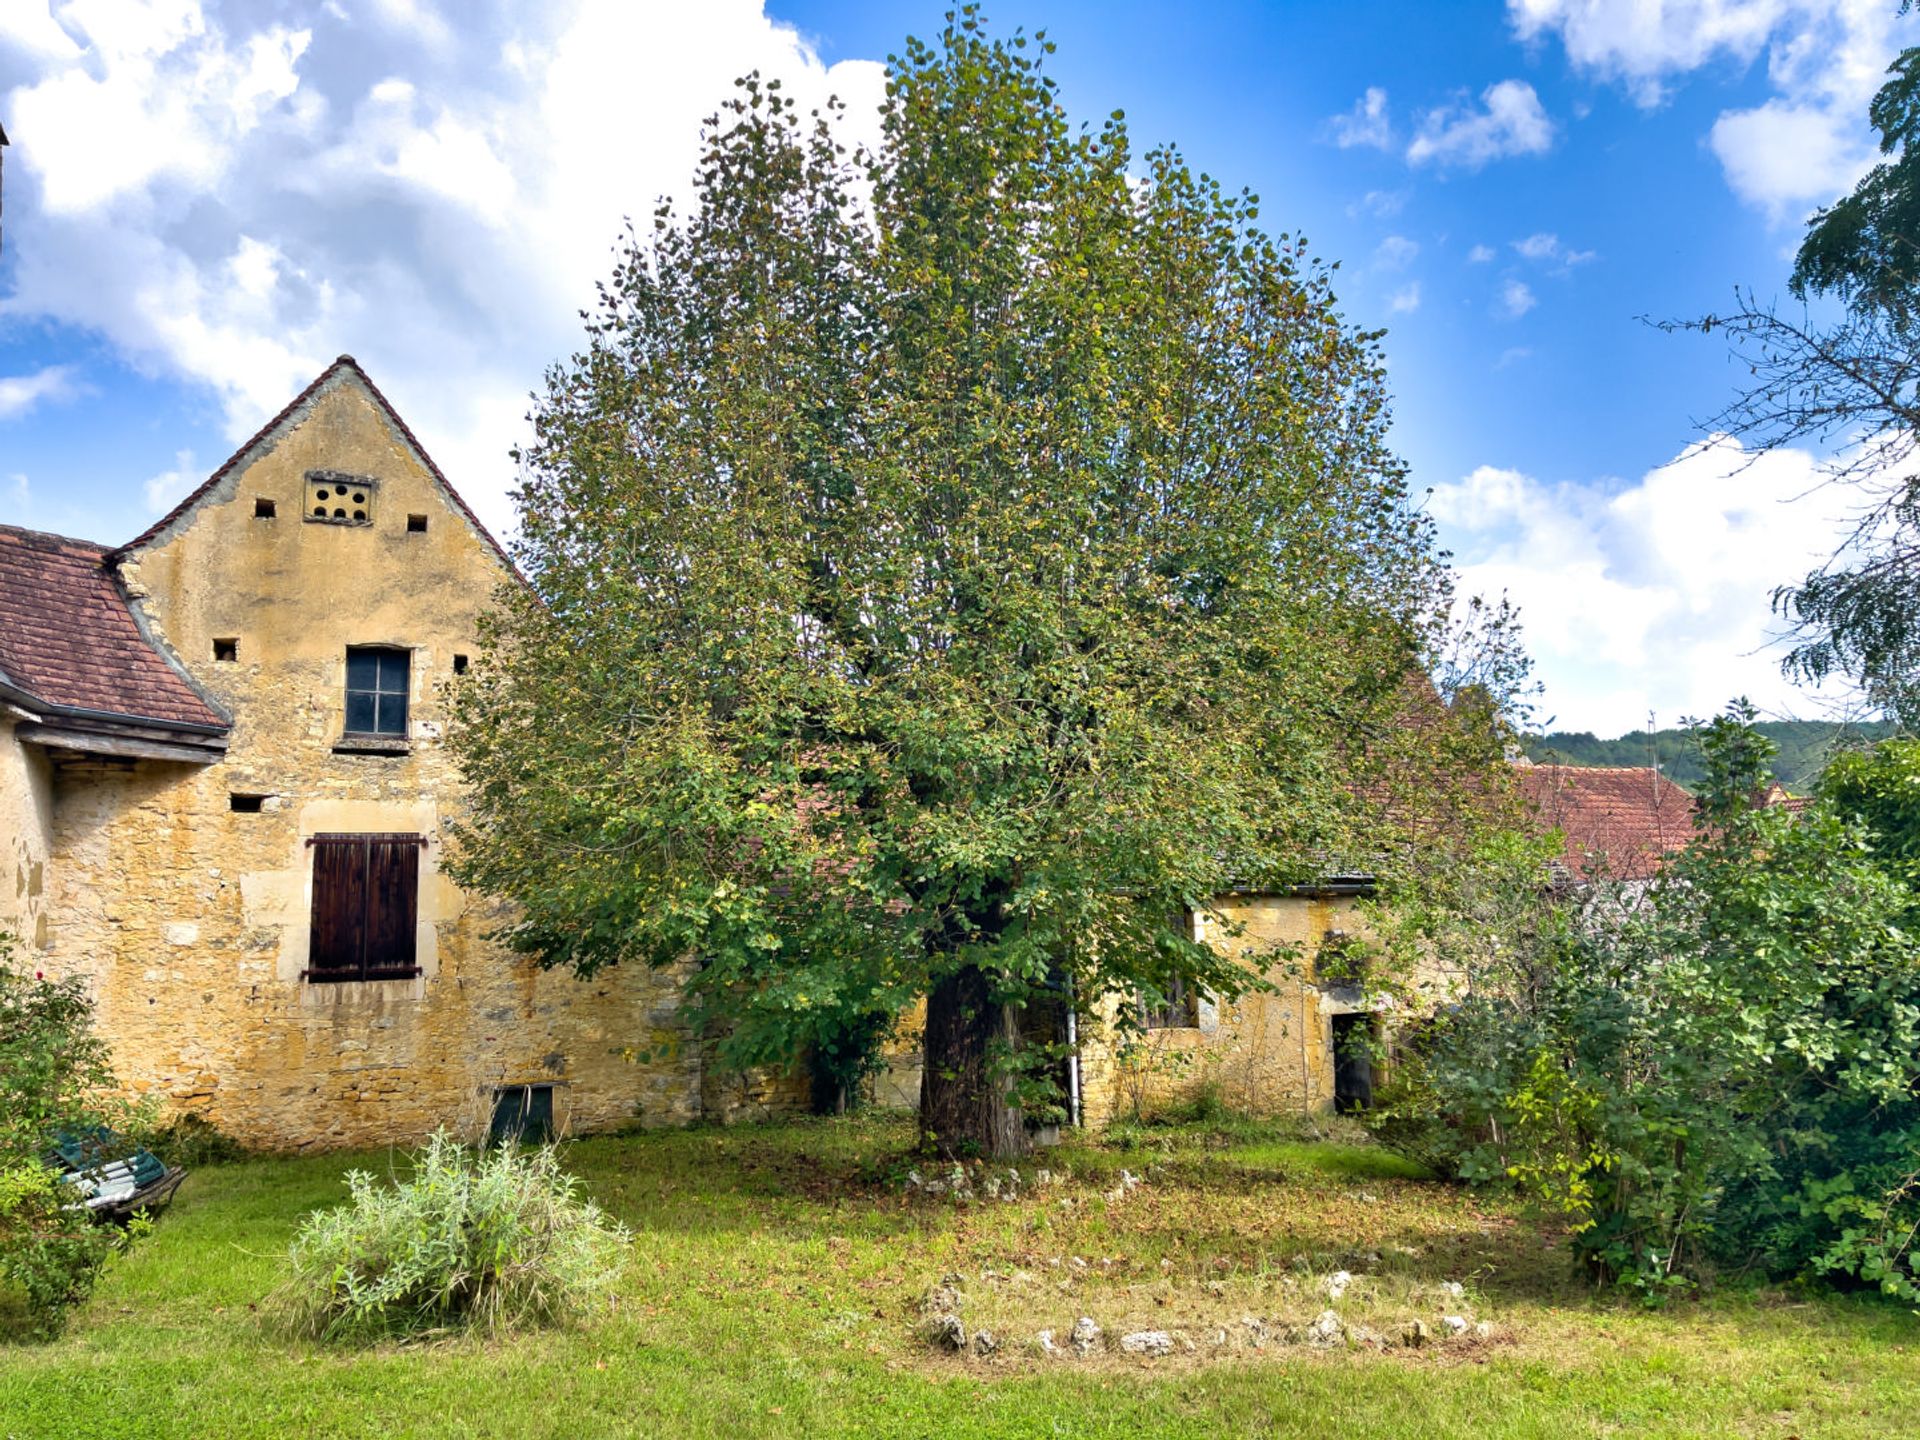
x,y
226,651
416,524
262,508
459,664
337,499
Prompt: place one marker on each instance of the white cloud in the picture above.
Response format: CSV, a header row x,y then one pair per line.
x,y
1380,204
1652,595
1366,124
166,489
1804,146
1510,121
1480,255
1538,247
1405,300
235,194
21,393
1396,252
1516,298
1513,355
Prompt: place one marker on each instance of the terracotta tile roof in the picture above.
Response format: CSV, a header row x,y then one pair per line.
x,y
69,640
1619,823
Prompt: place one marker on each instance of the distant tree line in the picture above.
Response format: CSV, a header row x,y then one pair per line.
x,y
1804,748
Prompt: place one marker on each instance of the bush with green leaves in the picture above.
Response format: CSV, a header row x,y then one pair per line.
x,y
1724,1075
54,1077
495,1239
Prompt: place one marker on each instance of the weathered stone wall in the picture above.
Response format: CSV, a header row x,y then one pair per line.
x,y
1267,1052
192,919
26,835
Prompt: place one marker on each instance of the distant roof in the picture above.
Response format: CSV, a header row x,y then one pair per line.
x,y
68,640
1620,823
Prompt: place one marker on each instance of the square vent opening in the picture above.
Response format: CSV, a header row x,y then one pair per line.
x,y
263,508
416,524
226,651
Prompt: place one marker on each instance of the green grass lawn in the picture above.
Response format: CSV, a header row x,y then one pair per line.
x,y
776,1288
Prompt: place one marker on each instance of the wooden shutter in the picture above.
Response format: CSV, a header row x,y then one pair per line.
x,y
338,941
393,890
365,901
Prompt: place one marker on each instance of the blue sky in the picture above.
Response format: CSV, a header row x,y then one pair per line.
x,y
205,202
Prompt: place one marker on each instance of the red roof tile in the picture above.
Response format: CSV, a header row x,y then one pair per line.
x,y
69,640
1619,823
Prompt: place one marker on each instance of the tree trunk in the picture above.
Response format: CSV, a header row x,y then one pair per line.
x,y
964,1108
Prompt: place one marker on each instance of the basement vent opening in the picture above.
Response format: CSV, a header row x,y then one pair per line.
x,y
246,804
263,508
416,524
459,664
522,1114
227,651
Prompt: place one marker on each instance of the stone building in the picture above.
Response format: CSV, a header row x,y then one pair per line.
x,y
223,801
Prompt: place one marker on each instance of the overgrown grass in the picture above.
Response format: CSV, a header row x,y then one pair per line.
x,y
775,1288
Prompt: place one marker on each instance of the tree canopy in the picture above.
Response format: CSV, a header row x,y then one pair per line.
x,y
944,566
1848,380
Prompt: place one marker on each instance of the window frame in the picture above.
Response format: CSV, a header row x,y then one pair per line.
x,y
381,698
1177,1008
333,926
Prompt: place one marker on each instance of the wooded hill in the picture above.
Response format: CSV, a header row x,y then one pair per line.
x,y
1804,745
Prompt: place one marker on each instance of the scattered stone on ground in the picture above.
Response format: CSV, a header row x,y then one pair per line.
x,y
1415,1334
1326,1329
946,1331
1085,1335
1147,1342
1455,1324
1044,1340
984,1342
1336,1285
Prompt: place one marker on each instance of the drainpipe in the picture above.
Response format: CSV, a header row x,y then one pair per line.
x,y
1073,1062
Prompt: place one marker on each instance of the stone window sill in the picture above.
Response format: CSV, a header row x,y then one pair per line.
x,y
373,745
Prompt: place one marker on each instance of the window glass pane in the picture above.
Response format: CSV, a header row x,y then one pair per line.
x,y
393,715
363,669
360,712
393,672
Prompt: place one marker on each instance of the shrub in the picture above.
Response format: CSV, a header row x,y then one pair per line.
x,y
54,1077
494,1239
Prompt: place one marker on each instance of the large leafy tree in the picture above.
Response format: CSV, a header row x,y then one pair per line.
x,y
945,565
1843,371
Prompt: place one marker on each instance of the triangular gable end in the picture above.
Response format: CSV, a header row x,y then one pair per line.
x,y
343,370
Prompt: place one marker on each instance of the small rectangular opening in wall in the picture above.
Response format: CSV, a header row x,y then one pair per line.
x,y
522,1114
227,650
262,508
459,664
245,804
416,524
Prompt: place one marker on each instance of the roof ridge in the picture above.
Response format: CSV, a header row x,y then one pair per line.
x,y
342,362
26,532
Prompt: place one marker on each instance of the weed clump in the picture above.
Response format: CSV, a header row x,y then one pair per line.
x,y
496,1240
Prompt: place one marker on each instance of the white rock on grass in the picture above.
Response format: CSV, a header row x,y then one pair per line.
x,y
1147,1342
1454,1324
1044,1340
1085,1335
1453,1289
1326,1329
1336,1285
947,1332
